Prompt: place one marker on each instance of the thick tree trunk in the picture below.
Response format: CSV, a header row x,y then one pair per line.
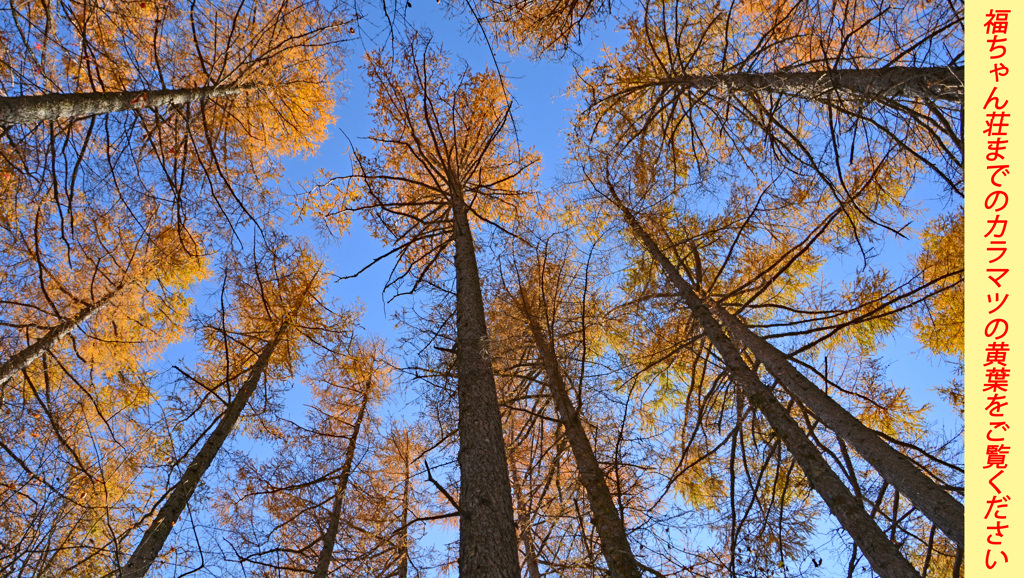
x,y
926,84
610,528
894,467
881,553
487,530
323,564
27,356
160,528
36,108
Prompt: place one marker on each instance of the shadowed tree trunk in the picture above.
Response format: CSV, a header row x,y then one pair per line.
x,y
35,108
610,528
894,467
882,554
323,564
160,528
526,534
403,535
487,545
27,356
925,84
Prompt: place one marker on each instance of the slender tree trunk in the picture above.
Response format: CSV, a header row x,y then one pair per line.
x,y
881,553
35,108
524,523
403,537
160,528
894,467
27,356
610,528
532,566
323,564
487,529
926,84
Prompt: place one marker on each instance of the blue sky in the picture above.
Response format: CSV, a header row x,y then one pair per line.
x,y
543,117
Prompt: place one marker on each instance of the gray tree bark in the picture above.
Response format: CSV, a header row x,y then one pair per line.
x,y
926,84
160,528
35,108
30,354
403,536
487,529
895,468
323,564
882,554
610,528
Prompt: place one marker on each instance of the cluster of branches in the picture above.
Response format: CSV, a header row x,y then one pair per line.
x,y
646,371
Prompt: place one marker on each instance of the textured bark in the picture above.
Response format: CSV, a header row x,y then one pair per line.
x,y
894,467
27,356
487,530
610,528
926,84
323,564
36,108
882,554
160,528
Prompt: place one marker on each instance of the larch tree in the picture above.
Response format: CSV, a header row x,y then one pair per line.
x,y
185,104
83,316
275,310
447,161
695,393
803,83
122,281
897,469
391,506
541,28
294,509
544,294
884,557
714,325
367,369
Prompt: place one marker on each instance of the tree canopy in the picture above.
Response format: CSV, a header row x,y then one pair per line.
x,y
678,350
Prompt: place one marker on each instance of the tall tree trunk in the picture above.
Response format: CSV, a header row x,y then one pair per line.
x,y
160,528
403,536
487,529
35,108
323,564
27,356
525,531
610,528
926,84
894,467
881,553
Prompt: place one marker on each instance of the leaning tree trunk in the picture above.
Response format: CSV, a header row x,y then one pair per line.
x,y
27,356
610,528
35,108
487,529
894,467
323,564
160,528
882,554
925,84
